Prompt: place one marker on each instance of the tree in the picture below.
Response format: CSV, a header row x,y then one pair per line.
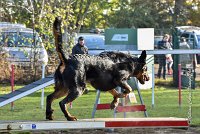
x,y
193,7
41,14
86,14
140,13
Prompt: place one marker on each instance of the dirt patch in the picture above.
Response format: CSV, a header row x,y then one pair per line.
x,y
191,130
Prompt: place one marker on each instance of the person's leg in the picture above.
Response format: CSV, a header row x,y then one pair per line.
x,y
164,69
159,68
195,61
170,67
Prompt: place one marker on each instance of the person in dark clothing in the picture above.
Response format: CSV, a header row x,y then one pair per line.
x,y
80,47
164,44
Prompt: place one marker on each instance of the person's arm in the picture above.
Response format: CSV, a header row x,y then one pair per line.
x,y
162,45
74,50
168,45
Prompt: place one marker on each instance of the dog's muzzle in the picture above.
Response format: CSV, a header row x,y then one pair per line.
x,y
145,77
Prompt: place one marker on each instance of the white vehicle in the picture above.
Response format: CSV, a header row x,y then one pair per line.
x,y
11,25
21,45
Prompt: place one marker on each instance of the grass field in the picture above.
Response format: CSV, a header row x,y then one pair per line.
x,y
166,105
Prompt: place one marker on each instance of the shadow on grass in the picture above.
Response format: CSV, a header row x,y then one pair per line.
x,y
166,83
169,83
197,84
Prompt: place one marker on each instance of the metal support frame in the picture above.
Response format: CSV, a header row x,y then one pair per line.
x,y
140,96
97,101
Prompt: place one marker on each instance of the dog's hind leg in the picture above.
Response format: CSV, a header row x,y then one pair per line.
x,y
116,96
65,102
50,98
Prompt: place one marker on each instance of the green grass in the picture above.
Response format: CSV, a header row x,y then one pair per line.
x,y
166,105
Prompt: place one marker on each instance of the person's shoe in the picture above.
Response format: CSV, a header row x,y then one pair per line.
x,y
170,72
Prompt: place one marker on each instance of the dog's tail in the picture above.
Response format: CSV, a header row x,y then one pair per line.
x,y
58,39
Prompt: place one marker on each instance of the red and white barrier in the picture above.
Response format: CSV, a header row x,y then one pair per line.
x,y
98,123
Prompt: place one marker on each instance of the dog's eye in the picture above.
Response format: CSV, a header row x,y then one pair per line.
x,y
145,68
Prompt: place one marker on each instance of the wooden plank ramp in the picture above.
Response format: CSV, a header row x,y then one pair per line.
x,y
26,90
96,123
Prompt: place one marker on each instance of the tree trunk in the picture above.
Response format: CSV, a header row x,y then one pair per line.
x,y
177,10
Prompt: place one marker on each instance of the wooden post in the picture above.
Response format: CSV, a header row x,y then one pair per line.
x,y
179,85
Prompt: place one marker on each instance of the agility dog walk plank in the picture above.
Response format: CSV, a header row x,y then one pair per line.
x,y
97,123
26,90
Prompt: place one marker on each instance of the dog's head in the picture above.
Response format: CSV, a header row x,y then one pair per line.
x,y
137,64
140,71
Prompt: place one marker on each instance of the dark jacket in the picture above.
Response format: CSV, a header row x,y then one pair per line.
x,y
164,45
78,49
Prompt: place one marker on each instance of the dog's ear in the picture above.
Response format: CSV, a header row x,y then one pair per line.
x,y
143,56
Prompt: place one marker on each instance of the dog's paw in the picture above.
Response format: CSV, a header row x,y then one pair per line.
x,y
49,114
71,118
114,104
49,117
126,93
121,95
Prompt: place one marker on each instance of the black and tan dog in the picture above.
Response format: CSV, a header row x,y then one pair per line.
x,y
140,68
104,72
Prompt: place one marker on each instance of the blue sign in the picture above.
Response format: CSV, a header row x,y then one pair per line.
x,y
33,126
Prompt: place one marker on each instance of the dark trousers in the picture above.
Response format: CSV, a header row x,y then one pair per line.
x,y
162,66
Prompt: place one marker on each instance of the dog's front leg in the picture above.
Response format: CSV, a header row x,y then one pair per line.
x,y
126,87
116,94
122,82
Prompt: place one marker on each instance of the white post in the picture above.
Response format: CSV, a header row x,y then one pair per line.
x,y
42,93
153,85
96,103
